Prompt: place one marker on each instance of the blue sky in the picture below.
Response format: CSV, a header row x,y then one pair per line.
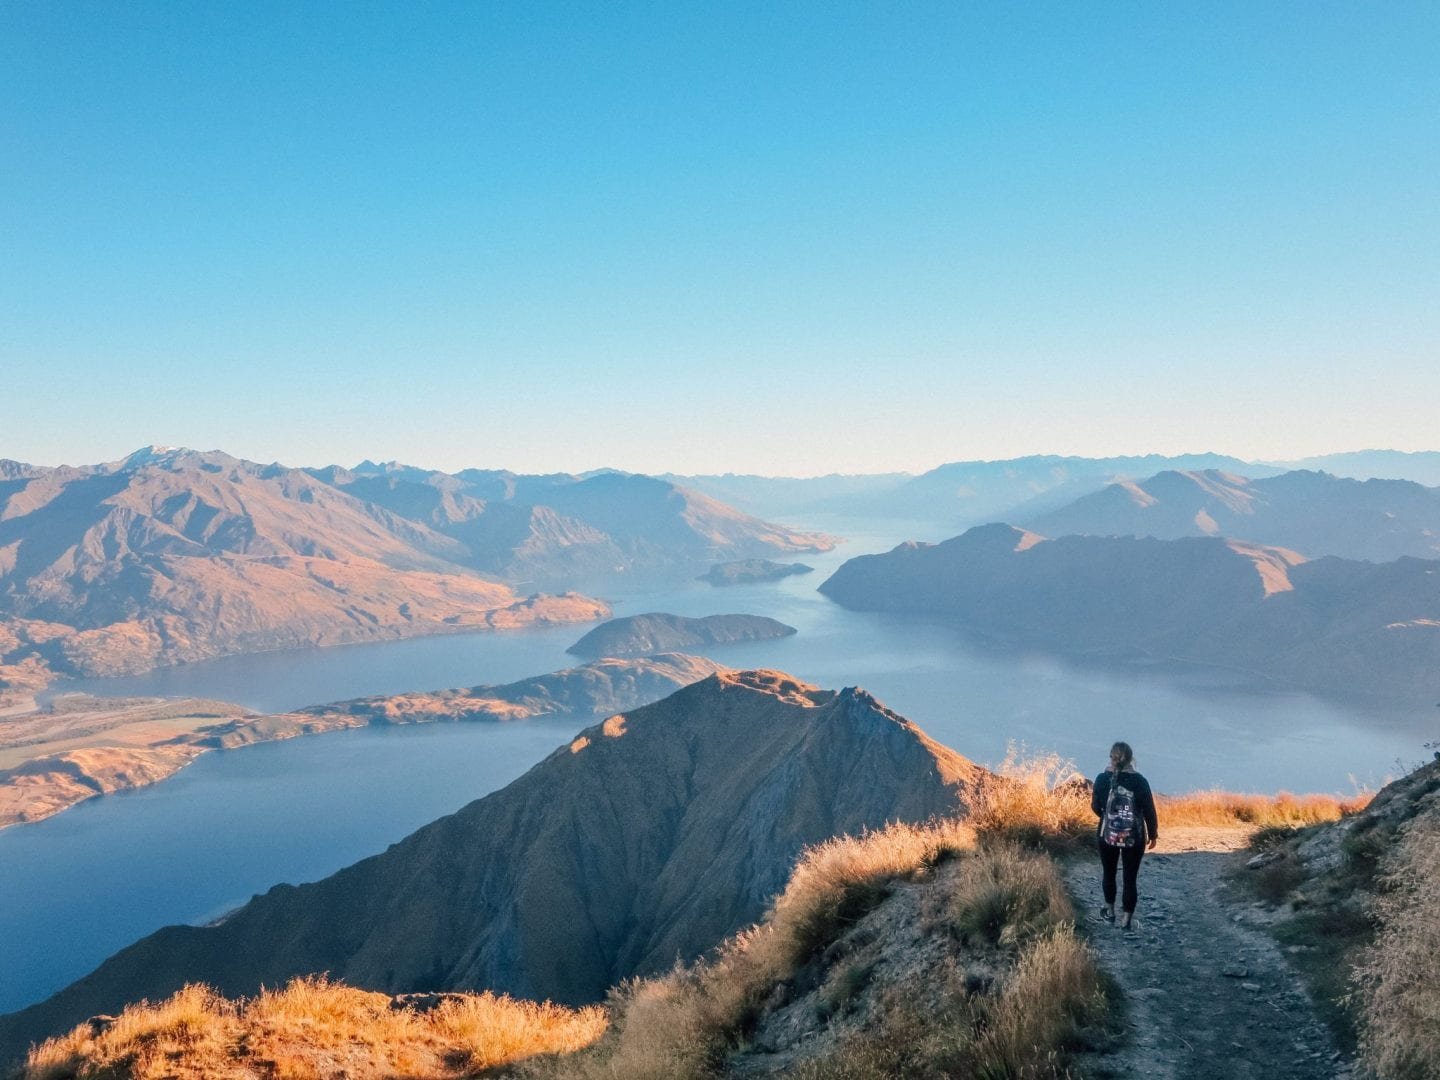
x,y
707,237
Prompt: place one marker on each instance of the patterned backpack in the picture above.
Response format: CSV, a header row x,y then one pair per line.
x,y
1117,827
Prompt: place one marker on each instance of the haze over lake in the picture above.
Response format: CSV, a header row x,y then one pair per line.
x,y
93,879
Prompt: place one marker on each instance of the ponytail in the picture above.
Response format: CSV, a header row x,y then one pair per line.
x,y
1121,757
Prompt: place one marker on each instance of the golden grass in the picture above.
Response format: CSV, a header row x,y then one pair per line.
x,y
1033,799
1221,808
313,1029
1399,980
1054,993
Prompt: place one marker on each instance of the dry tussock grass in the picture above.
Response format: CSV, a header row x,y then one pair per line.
x,y
1051,1000
1399,981
1033,799
1283,810
1054,994
1005,895
312,1029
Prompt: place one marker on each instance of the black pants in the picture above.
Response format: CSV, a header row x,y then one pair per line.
x,y
1109,857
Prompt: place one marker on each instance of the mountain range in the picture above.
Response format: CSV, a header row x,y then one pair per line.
x,y
1329,624
559,527
1314,513
962,493
649,837
175,555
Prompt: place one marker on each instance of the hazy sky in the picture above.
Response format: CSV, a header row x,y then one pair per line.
x,y
705,237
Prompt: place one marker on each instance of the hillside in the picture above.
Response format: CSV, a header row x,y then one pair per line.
x,y
658,632
650,836
173,555
1329,624
1309,512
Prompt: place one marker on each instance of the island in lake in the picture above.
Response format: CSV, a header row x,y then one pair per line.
x,y
657,631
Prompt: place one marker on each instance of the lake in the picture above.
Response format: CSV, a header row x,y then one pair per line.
x,y
89,881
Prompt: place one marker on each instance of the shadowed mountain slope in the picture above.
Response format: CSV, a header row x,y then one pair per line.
x,y
649,837
1311,512
1329,624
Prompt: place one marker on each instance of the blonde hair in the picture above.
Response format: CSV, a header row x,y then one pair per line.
x,y
1121,757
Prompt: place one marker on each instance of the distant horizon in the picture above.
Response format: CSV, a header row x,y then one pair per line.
x,y
430,467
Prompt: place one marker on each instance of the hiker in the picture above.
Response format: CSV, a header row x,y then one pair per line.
x,y
1121,799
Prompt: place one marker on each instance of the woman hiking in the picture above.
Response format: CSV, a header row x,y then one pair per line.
x,y
1122,800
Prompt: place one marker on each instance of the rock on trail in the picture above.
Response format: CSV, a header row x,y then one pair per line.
x,y
1205,994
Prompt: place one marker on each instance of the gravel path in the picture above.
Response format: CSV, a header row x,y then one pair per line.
x,y
1207,996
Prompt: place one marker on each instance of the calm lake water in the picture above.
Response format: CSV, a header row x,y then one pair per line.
x,y
80,886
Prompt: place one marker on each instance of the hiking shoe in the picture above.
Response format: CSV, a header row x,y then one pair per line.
x,y
1108,914
1127,921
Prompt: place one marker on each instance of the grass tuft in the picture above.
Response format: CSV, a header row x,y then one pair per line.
x,y
1036,800
310,1029
1007,895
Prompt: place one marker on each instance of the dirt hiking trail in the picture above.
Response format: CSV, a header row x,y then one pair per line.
x,y
1206,995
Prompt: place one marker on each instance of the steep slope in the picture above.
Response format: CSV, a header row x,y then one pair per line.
x,y
650,836
557,527
1331,624
174,555
658,632
1310,512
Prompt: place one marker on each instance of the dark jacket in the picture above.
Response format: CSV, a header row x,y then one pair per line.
x,y
1144,801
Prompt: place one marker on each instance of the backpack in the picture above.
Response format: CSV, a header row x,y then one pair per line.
x,y
1117,826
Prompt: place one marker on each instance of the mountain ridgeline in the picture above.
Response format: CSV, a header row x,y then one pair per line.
x,y
651,836
1327,624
